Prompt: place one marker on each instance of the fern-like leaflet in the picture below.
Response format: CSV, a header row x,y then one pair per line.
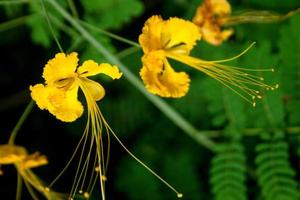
x,y
227,174
274,174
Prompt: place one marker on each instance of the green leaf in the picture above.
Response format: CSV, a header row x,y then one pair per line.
x,y
227,172
289,45
111,14
181,172
136,182
40,30
275,175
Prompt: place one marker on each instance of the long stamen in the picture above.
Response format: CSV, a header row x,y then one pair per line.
x,y
229,76
96,120
179,195
96,127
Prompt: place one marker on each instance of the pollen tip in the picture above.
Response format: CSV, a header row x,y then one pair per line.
x,y
254,104
253,97
47,189
272,70
259,97
179,195
80,191
261,78
277,86
86,195
97,169
103,178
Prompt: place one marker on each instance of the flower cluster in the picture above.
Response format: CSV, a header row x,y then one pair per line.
x,y
161,41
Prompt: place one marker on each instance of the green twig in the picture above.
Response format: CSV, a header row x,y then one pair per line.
x,y
159,103
20,122
59,24
127,52
50,26
73,9
114,36
14,2
13,23
19,187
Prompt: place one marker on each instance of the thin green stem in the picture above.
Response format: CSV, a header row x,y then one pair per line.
x,y
19,187
59,24
159,103
50,26
114,36
13,23
14,2
73,9
20,122
127,52
77,41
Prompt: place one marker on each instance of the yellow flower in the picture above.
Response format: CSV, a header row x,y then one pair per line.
x,y
212,15
208,18
174,39
158,38
63,78
24,162
10,154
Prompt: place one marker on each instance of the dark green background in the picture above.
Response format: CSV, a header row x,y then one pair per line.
x,y
27,45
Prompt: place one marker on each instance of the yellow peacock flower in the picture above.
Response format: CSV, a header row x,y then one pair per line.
x,y
174,38
213,15
208,19
63,78
24,162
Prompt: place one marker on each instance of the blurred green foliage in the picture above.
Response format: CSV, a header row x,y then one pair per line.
x,y
252,161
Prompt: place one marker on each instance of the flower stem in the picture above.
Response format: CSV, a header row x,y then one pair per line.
x,y
159,103
13,23
73,8
111,35
50,26
20,122
14,2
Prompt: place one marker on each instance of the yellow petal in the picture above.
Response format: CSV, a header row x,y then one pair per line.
x,y
92,90
88,68
220,7
10,154
179,35
150,39
160,78
111,71
226,34
62,104
174,35
62,66
212,33
40,95
34,160
91,68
